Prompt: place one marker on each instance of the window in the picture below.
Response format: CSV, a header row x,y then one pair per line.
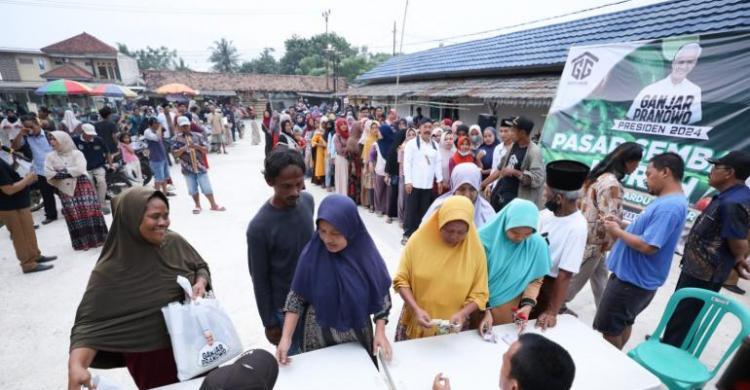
x,y
42,65
25,61
59,62
102,72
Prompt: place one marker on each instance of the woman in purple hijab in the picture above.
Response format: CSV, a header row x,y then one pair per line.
x,y
340,286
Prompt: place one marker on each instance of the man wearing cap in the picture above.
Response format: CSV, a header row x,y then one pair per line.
x,y
191,150
717,243
97,157
521,171
565,229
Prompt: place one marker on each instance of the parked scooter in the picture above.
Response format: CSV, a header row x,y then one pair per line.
x,y
119,179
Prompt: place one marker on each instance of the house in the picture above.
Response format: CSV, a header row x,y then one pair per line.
x,y
82,58
253,89
517,73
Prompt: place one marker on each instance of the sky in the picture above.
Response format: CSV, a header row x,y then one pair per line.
x,y
191,26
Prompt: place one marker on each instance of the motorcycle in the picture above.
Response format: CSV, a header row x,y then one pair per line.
x,y
118,178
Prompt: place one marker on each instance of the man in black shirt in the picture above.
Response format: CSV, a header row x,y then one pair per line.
x,y
717,242
15,212
275,238
106,129
521,170
97,156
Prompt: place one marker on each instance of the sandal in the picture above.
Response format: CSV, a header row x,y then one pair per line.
x,y
220,208
197,210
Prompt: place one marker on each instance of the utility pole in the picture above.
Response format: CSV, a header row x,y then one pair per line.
x,y
326,14
394,38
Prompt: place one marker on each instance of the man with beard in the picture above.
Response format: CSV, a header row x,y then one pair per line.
x,y
641,256
564,228
275,238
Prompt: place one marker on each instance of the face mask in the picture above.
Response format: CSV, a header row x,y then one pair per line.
x,y
475,139
552,206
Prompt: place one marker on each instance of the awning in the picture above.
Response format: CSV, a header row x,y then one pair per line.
x,y
515,90
15,85
322,95
217,93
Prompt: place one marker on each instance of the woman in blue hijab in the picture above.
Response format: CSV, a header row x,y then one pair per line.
x,y
341,281
517,260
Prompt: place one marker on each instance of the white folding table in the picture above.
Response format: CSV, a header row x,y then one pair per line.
x,y
472,363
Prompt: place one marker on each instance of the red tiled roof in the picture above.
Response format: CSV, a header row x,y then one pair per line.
x,y
237,82
82,43
68,71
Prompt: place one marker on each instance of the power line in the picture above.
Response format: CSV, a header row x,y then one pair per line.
x,y
509,27
101,7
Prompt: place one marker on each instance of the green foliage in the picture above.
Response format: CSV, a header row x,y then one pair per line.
x,y
264,64
181,65
151,58
224,56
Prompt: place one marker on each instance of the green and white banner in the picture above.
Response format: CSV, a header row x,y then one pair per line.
x,y
689,95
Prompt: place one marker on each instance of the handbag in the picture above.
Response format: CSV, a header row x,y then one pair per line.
x,y
202,334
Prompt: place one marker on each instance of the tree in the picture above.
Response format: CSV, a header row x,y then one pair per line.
x,y
151,58
264,64
181,65
224,56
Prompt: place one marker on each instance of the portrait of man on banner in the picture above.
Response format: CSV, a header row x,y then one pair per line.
x,y
674,99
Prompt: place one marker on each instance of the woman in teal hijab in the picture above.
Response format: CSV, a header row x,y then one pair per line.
x,y
517,260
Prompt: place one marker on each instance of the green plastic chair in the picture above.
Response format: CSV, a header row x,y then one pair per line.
x,y
680,368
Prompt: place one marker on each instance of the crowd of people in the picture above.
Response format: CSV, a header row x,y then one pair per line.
x,y
71,158
491,234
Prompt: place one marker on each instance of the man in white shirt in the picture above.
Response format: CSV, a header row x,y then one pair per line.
x,y
422,167
9,128
672,96
565,229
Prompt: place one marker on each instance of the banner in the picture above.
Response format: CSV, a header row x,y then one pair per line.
x,y
688,95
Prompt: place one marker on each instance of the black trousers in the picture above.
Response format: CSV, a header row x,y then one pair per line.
x,y
686,311
393,197
48,196
417,204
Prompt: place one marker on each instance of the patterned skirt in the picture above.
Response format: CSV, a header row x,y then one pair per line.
x,y
83,214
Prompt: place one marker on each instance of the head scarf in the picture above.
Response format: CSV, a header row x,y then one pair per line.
x,y
70,121
67,157
369,138
345,287
131,282
466,174
457,157
443,278
489,150
355,134
475,128
343,133
512,266
387,135
391,159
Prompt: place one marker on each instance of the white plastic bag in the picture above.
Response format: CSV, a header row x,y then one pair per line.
x,y
189,326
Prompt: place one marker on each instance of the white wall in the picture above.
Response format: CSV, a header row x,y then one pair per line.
x,y
129,72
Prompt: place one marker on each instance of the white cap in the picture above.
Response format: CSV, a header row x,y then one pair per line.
x,y
88,129
183,121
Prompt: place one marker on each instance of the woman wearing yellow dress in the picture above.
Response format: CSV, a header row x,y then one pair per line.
x,y
443,272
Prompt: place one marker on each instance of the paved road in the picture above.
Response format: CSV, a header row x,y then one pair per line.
x,y
38,309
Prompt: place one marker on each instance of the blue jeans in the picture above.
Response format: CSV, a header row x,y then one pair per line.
x,y
296,346
195,180
161,170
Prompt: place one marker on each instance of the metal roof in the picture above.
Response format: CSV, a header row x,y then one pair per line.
x,y
539,90
547,47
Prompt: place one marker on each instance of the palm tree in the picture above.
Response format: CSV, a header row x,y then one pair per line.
x,y
182,65
224,56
